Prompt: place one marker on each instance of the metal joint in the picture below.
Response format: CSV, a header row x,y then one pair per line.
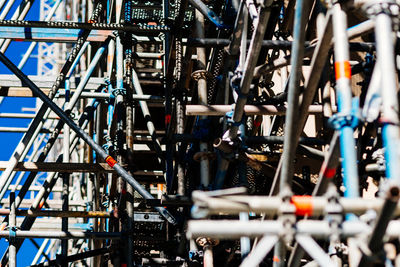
x,y
334,213
118,91
231,122
204,241
339,121
287,215
388,7
201,74
12,237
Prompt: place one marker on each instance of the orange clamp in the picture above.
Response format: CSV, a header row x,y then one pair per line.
x,y
111,162
303,205
342,70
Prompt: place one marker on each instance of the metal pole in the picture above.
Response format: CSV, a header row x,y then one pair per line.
x,y
65,181
390,106
40,252
257,255
147,116
344,96
202,92
302,12
63,235
319,58
12,231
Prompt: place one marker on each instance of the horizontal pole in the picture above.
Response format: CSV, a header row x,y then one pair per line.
x,y
58,213
230,229
303,205
22,116
71,168
220,110
51,35
19,130
63,235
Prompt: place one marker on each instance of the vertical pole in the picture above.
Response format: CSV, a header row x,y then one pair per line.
x,y
208,255
390,132
180,119
301,15
202,92
129,112
12,225
169,168
390,106
65,188
129,205
302,12
344,96
119,92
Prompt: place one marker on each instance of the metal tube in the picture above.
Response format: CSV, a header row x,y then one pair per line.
x,y
315,251
147,116
390,105
302,12
13,221
318,61
58,213
344,96
260,251
317,229
220,110
208,258
64,235
202,92
270,205
100,152
40,251
65,181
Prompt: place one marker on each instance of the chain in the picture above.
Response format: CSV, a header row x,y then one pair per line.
x,y
85,26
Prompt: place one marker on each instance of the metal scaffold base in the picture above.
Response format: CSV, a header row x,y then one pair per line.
x,y
202,133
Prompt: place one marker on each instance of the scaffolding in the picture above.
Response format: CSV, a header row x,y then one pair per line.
x,y
203,133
